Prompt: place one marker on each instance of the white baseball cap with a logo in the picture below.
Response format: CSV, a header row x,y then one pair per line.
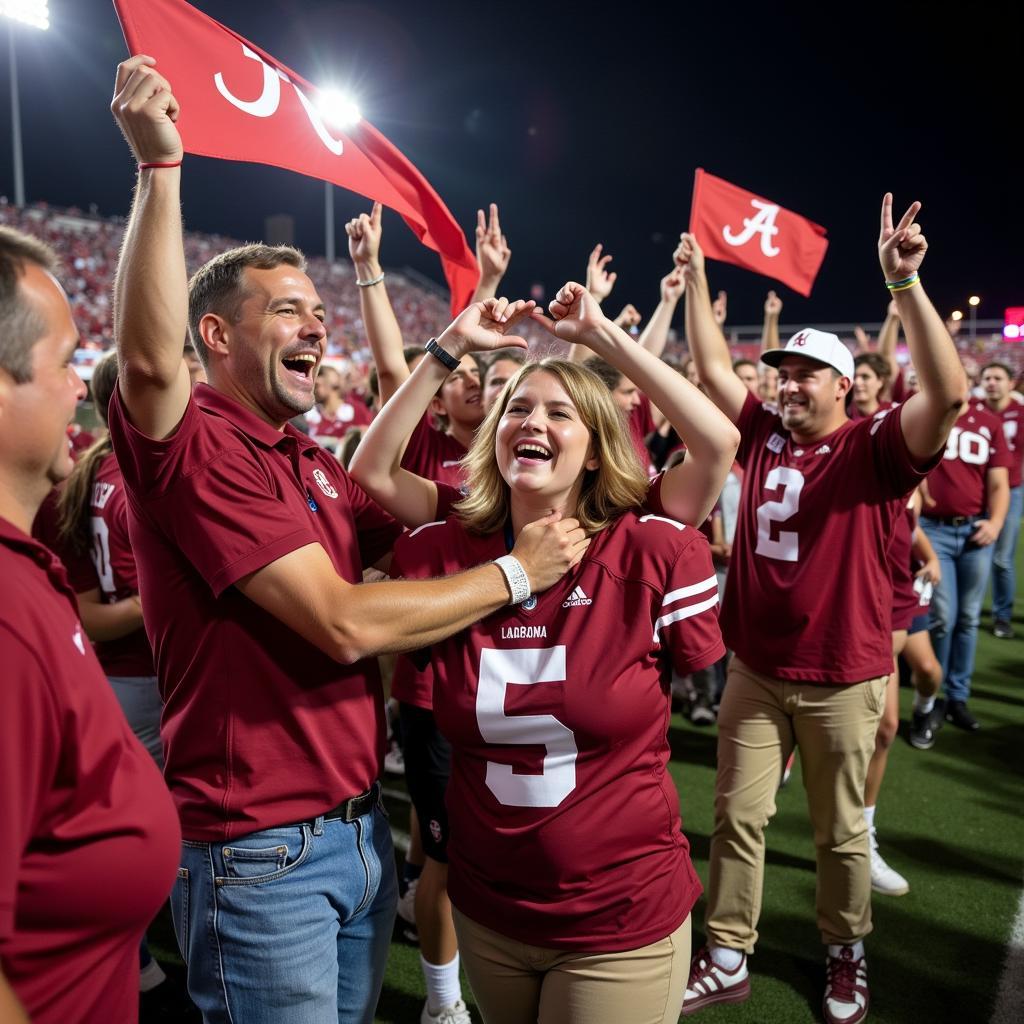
x,y
818,345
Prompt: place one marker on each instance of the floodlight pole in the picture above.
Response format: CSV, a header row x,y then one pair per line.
x,y
19,169
329,220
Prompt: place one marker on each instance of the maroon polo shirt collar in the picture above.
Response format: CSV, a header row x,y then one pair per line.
x,y
211,400
13,538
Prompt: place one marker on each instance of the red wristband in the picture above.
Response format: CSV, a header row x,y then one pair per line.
x,y
146,167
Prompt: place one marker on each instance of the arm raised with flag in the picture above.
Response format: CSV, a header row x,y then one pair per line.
x,y
151,288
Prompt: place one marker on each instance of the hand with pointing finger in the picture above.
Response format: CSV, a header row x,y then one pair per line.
x,y
901,249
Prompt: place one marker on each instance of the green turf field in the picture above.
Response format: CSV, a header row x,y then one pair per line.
x,y
949,819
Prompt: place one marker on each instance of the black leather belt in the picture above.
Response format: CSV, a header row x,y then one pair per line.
x,y
354,807
953,520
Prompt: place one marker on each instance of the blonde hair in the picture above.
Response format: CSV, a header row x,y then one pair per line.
x,y
617,485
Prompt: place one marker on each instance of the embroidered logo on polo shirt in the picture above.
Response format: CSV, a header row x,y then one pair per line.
x,y
776,443
77,638
324,484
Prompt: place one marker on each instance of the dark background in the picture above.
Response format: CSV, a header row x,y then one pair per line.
x,y
585,124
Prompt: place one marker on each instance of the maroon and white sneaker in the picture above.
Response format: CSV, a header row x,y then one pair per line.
x,y
709,983
846,988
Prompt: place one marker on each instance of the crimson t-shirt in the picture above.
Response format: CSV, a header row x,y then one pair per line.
x,y
260,728
809,596
1012,417
434,455
90,843
957,485
565,828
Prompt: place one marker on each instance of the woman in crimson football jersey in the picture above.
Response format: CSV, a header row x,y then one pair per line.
x,y
569,872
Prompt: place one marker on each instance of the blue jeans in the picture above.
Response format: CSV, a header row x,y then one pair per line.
x,y
1004,573
956,602
290,924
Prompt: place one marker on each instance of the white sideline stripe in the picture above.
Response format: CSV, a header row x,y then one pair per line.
x,y
684,613
693,588
1010,1000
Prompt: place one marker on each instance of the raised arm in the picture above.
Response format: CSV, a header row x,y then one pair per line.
x,y
382,330
707,343
150,286
492,253
928,416
599,284
888,336
770,324
690,490
655,334
376,465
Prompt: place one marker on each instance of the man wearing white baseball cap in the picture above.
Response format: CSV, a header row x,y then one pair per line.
x,y
808,612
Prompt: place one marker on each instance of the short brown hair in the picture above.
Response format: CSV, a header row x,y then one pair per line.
x,y
996,365
20,325
878,365
216,287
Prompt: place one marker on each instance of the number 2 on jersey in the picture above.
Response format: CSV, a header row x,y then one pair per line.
x,y
524,667
786,547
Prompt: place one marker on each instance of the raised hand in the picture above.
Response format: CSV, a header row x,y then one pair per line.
x,y
719,308
673,284
901,249
364,234
599,281
772,305
485,326
492,251
146,111
576,316
690,258
628,317
863,339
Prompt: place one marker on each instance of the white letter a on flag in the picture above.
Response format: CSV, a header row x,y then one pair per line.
x,y
763,224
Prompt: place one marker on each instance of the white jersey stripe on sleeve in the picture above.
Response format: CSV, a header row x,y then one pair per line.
x,y
693,588
412,533
684,613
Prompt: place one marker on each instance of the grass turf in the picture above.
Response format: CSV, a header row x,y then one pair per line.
x,y
948,819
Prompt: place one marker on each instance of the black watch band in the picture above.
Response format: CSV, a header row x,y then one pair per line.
x,y
439,353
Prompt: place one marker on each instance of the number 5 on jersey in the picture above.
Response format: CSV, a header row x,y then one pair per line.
x,y
525,667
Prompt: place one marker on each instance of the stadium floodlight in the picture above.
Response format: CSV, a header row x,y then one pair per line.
x,y
974,301
30,12
956,315
339,110
37,14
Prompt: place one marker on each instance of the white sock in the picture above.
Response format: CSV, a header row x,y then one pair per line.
x,y
727,959
869,816
857,947
443,988
923,705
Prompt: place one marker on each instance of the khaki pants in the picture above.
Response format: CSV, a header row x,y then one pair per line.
x,y
759,722
515,983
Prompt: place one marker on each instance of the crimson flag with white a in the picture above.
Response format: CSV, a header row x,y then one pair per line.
x,y
737,226
239,103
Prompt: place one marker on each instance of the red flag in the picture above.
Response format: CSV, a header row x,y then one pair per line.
x,y
740,227
239,103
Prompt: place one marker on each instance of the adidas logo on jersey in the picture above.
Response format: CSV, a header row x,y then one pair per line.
x,y
576,598
823,450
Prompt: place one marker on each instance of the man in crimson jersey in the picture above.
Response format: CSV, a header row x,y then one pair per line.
x,y
90,838
250,543
966,498
997,380
808,609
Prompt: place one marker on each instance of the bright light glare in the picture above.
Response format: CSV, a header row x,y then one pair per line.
x,y
32,12
974,301
1011,331
338,108
957,315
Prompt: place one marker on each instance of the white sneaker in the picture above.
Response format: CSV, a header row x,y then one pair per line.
x,y
454,1014
884,879
150,976
394,760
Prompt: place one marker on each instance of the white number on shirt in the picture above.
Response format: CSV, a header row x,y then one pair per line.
x,y
967,446
1010,430
101,555
786,547
524,667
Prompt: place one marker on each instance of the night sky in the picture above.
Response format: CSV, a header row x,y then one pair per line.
x,y
585,124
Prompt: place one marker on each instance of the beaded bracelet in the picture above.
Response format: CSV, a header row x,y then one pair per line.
x,y
515,576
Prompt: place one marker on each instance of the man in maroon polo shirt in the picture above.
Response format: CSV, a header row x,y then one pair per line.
x,y
250,544
808,612
90,837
